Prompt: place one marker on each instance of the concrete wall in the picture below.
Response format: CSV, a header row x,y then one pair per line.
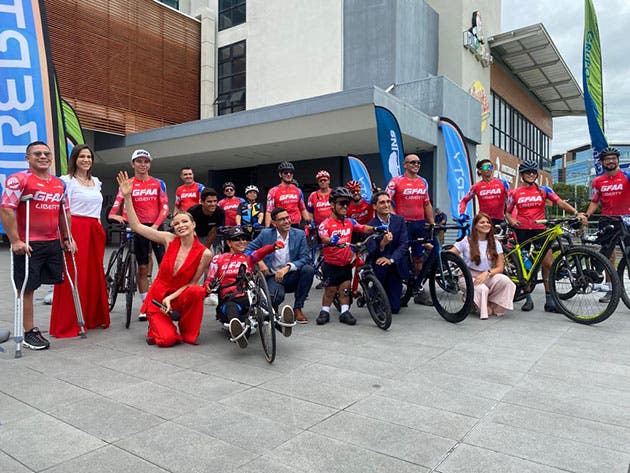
x,y
388,42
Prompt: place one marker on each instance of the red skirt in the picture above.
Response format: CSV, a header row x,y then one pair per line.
x,y
89,237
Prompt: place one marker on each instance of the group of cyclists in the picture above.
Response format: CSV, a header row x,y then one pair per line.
x,y
338,213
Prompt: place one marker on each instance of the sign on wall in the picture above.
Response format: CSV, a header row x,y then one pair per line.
x,y
475,41
478,91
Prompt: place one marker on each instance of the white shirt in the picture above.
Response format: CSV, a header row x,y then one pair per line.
x,y
85,201
484,263
281,257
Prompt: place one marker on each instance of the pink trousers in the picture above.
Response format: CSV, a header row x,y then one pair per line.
x,y
496,294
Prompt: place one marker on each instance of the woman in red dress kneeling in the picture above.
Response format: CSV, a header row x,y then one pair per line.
x,y
175,286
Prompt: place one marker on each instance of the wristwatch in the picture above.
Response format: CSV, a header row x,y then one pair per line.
x,y
392,260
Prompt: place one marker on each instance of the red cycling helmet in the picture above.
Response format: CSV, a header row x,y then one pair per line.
x,y
353,186
322,174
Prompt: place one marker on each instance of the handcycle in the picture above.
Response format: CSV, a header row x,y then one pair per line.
x,y
621,235
261,314
366,289
450,282
122,268
574,276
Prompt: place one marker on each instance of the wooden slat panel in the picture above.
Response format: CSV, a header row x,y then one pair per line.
x,y
125,65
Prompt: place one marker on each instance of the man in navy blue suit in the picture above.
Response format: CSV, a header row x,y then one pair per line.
x,y
389,255
287,269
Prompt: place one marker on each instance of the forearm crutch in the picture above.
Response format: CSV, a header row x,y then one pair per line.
x,y
18,313
73,281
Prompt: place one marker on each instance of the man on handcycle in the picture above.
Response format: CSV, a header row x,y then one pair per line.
x,y
233,304
529,200
612,190
335,231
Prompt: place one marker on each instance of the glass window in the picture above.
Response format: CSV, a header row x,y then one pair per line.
x,y
171,3
231,13
231,78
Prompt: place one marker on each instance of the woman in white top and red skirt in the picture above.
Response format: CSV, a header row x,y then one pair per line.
x,y
85,200
483,254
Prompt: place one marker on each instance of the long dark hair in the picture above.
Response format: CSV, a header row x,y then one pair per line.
x,y
473,241
72,162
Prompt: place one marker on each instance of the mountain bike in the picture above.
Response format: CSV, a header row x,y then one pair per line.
x,y
366,289
574,276
619,232
450,282
121,272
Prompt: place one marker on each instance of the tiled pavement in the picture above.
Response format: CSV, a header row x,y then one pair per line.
x,y
531,392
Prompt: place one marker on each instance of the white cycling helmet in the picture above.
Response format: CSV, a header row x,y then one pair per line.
x,y
252,188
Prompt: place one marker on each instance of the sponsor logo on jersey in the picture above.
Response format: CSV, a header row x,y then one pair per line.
x,y
41,196
188,195
612,188
284,197
489,192
144,192
530,199
414,191
322,204
12,183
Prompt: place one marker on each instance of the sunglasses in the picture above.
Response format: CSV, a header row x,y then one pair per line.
x,y
343,203
414,163
228,189
286,172
487,167
241,238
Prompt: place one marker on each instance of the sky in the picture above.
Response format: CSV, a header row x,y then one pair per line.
x,y
564,20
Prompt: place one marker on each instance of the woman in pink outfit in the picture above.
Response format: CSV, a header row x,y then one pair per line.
x,y
483,254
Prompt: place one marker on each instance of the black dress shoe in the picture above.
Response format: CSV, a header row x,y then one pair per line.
x,y
529,305
323,318
347,318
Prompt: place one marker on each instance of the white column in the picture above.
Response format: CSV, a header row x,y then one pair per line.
x,y
208,62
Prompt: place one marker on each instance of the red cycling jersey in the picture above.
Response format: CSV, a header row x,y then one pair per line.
x,y
491,196
344,228
529,201
230,207
225,267
319,206
360,211
44,207
613,192
409,196
288,197
149,198
188,195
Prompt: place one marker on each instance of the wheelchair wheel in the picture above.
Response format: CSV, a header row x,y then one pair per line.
x,y
266,317
451,287
376,300
576,273
111,277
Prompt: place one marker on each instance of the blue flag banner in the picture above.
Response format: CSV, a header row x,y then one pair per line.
x,y
360,173
458,171
592,83
30,103
390,143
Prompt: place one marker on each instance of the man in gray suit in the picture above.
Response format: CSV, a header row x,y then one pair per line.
x,y
287,269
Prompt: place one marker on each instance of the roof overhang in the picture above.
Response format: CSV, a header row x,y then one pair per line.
x,y
329,125
530,55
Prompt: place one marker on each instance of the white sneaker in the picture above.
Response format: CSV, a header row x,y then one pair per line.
x,y
142,317
237,332
287,320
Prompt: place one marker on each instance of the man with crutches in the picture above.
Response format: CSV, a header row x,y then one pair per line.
x,y
32,215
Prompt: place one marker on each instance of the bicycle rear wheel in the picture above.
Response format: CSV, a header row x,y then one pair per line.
x,y
266,318
577,272
376,300
623,271
451,287
111,277
130,286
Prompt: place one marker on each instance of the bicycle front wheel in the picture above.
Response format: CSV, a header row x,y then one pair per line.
x,y
573,279
266,318
451,287
623,271
111,277
130,286
376,300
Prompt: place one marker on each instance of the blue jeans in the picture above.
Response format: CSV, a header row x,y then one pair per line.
x,y
299,282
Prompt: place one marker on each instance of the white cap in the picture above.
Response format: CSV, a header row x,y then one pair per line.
x,y
141,153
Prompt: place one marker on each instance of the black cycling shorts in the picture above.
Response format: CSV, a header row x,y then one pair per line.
x,y
336,275
45,266
142,248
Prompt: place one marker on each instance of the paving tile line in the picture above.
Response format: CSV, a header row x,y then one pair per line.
x,y
494,406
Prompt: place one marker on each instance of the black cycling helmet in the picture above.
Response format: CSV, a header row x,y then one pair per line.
x,y
527,166
229,184
482,162
286,166
339,193
609,151
234,232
